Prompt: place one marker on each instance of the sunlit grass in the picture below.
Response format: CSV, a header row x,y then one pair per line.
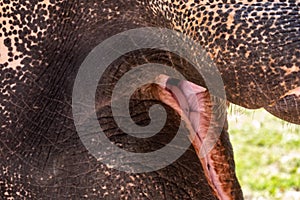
x,y
267,154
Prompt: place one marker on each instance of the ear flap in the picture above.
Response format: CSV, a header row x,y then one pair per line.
x,y
190,88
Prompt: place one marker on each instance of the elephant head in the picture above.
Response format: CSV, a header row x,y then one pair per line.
x,y
255,46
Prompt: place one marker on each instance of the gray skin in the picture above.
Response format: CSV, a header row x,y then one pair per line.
x,y
42,46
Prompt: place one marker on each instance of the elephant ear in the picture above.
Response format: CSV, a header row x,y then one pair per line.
x,y
42,156
42,44
177,174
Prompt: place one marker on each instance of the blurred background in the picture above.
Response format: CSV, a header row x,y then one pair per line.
x,y
267,154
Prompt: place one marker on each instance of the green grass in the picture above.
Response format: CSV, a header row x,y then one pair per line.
x,y
267,154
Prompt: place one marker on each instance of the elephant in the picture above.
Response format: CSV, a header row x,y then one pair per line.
x,y
254,45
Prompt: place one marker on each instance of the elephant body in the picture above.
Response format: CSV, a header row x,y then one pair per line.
x,y
255,46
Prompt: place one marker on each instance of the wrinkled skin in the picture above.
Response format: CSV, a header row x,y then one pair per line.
x,y
42,45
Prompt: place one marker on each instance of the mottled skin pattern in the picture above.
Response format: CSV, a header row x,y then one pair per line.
x,y
255,44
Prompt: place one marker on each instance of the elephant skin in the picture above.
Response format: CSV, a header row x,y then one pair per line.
x,y
255,46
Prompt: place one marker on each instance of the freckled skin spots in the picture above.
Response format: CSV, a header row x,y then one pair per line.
x,y
255,45
42,45
257,39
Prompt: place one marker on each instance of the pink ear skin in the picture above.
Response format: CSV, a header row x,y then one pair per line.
x,y
194,105
187,96
190,99
190,88
194,118
180,98
191,91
